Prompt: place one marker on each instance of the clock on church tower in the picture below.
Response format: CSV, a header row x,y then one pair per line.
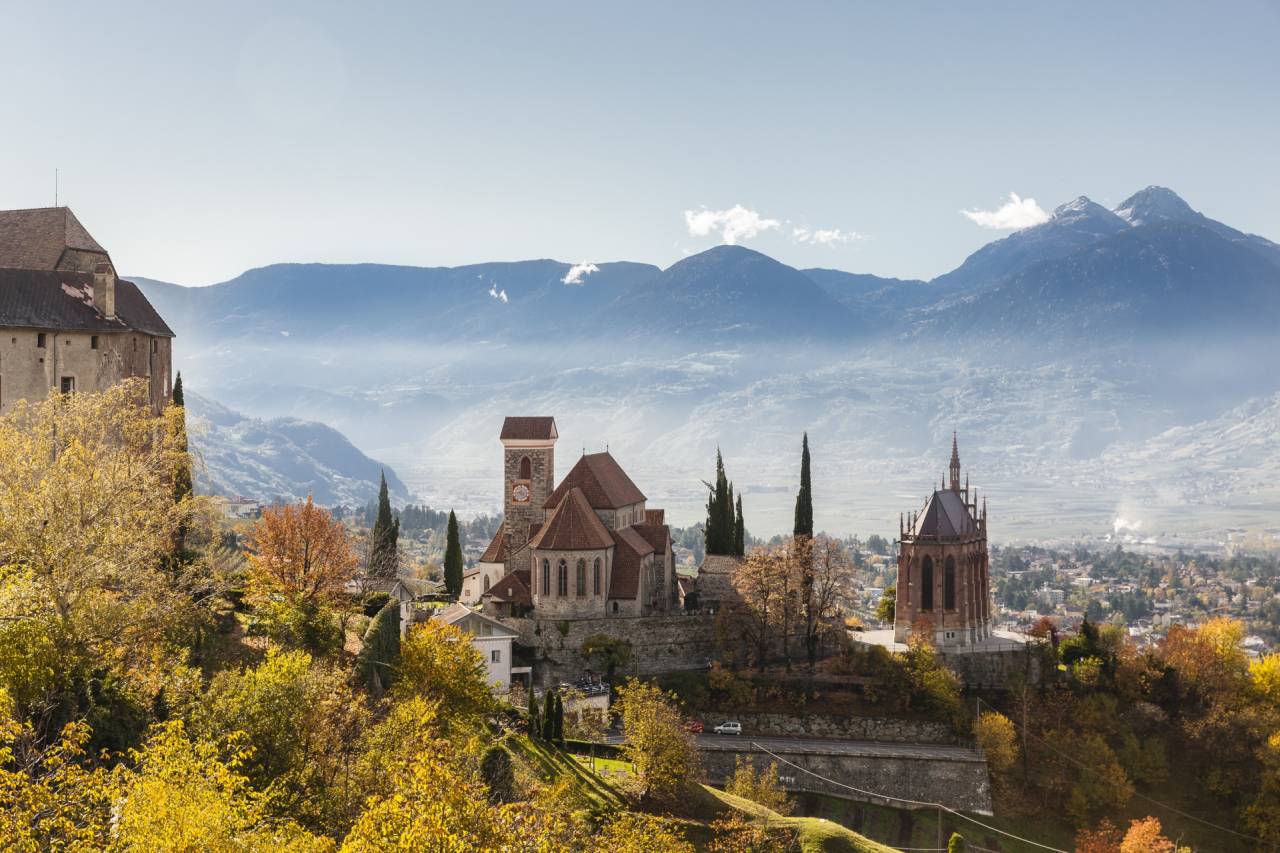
x,y
520,493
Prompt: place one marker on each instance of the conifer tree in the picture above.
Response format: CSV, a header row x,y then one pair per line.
x,y
182,477
548,716
558,730
719,532
377,660
739,532
535,725
383,540
804,498
177,390
453,559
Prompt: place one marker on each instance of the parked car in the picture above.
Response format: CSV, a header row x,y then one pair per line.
x,y
694,726
729,729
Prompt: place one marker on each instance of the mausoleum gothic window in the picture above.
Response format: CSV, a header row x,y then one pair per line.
x,y
596,577
562,579
949,584
582,578
546,577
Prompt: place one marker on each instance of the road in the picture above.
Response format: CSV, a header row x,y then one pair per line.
x,y
827,746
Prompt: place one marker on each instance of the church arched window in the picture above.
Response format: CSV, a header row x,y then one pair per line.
x,y
526,468
486,583
546,577
949,584
926,584
595,576
562,579
581,577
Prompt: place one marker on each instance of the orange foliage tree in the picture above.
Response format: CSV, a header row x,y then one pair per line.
x,y
301,553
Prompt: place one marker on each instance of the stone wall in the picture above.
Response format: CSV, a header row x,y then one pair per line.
x,y
994,669
883,729
32,372
951,777
658,643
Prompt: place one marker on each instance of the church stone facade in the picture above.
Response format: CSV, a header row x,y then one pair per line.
x,y
943,582
587,548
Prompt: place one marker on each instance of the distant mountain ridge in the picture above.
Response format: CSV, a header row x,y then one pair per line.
x,y
280,458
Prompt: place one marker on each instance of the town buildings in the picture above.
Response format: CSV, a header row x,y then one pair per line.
x,y
67,322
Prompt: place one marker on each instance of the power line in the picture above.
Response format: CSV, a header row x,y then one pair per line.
x,y
947,809
1131,788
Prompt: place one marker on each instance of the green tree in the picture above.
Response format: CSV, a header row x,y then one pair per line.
x,y
739,531
804,498
557,731
535,724
548,716
384,560
453,559
496,770
720,527
381,651
888,605
664,754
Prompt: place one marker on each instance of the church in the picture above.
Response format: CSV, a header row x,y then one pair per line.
x,y
588,547
943,584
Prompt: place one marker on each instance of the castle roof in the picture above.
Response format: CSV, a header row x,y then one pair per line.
x,y
572,526
36,239
602,480
944,515
53,299
529,429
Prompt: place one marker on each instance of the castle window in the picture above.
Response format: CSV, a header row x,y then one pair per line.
x,y
546,577
562,579
926,584
615,607
155,345
526,468
596,577
949,584
486,583
93,342
582,578
68,385
40,340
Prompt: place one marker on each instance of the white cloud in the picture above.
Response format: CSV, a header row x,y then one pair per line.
x,y
825,236
500,295
734,224
577,272
1014,214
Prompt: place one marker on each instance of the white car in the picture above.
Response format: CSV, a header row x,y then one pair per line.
x,y
728,729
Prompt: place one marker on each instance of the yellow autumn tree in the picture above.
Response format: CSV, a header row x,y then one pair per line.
x,y
88,520
438,662
998,739
664,754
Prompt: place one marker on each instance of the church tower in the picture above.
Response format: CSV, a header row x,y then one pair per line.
x,y
944,589
529,473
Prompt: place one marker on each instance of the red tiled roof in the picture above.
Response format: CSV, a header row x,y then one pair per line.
x,y
497,550
657,535
602,480
513,588
572,526
528,428
35,239
655,516
47,299
632,549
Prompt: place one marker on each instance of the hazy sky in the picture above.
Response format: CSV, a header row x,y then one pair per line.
x,y
198,140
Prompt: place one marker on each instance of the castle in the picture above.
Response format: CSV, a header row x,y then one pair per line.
x,y
67,323
943,585
589,547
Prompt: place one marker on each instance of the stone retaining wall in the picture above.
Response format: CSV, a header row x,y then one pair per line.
x,y
958,781
883,729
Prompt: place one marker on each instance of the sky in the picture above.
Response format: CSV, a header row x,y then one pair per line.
x,y
199,140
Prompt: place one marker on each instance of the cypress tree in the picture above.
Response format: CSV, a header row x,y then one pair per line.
x,y
453,559
548,716
804,498
182,477
739,532
719,532
177,390
559,726
383,540
381,650
535,725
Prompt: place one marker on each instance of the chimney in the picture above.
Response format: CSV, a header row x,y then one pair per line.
x,y
104,290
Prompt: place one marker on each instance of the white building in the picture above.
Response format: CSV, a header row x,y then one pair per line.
x,y
490,637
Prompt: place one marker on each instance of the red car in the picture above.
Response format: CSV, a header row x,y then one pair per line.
x,y
693,726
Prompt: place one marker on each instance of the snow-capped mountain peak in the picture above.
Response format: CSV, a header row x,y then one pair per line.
x,y
1155,204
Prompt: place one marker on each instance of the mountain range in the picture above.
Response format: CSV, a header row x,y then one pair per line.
x,y
1095,329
